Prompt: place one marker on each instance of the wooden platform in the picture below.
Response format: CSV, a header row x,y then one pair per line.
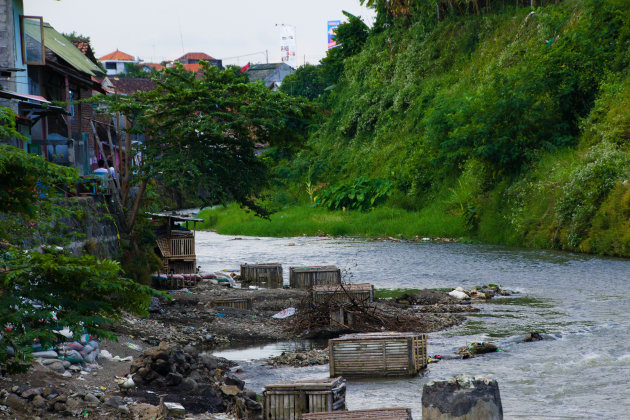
x,y
343,293
290,400
262,275
307,277
376,414
378,354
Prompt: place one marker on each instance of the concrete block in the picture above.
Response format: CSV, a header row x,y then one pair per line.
x,y
462,398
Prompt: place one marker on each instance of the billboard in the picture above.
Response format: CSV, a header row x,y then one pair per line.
x,y
332,28
287,45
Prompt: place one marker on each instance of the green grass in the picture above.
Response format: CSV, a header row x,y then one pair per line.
x,y
313,221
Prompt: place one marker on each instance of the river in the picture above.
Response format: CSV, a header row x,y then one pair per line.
x,y
582,302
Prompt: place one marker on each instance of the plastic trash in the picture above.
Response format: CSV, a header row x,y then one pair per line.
x,y
134,346
221,315
105,355
50,354
285,313
459,295
72,356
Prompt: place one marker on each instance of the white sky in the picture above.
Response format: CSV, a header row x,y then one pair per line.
x,y
155,30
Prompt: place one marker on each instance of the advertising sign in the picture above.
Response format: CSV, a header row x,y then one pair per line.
x,y
332,28
287,45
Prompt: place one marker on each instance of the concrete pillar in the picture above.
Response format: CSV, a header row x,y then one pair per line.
x,y
462,398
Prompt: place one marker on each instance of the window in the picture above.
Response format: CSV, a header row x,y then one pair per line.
x,y
32,28
110,66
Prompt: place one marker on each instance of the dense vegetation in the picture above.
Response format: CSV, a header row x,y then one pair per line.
x,y
51,289
515,121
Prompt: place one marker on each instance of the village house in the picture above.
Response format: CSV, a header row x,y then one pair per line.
x,y
39,66
271,74
116,61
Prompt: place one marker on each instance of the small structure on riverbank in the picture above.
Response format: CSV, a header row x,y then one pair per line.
x,y
289,400
343,293
378,354
238,303
262,275
175,243
375,414
307,277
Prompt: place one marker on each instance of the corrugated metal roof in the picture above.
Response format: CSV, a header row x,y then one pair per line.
x,y
61,46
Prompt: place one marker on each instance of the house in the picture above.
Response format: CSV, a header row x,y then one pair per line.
x,y
41,66
191,61
271,74
115,62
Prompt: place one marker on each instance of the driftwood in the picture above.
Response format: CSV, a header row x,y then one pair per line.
x,y
357,315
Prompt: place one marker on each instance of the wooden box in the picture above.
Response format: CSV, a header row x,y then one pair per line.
x,y
307,277
262,275
343,293
376,414
289,400
378,354
239,303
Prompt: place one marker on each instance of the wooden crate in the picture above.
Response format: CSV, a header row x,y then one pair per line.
x,y
262,275
343,293
376,414
239,303
307,277
378,354
289,400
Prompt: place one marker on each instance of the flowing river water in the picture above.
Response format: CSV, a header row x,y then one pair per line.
x,y
582,302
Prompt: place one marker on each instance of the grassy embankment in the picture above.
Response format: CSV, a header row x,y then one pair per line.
x,y
507,127
313,221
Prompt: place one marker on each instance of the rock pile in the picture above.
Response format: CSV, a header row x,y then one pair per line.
x,y
300,359
49,399
200,382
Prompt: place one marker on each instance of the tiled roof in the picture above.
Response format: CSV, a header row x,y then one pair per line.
x,y
191,67
83,45
154,66
117,55
195,56
129,85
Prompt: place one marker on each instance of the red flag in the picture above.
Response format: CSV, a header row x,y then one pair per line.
x,y
245,68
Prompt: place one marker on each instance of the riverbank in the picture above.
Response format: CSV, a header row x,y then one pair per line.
x,y
305,220
167,357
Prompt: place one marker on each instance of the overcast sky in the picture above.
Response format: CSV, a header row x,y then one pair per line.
x,y
157,30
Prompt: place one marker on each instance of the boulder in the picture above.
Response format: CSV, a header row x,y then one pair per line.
x,y
462,397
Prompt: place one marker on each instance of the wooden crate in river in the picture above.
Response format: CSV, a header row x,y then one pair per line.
x,y
289,400
375,414
239,303
307,277
343,293
378,354
262,275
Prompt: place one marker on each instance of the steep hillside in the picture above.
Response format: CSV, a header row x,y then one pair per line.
x,y
515,121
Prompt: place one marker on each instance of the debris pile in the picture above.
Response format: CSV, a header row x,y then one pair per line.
x,y
331,318
300,359
200,382
479,292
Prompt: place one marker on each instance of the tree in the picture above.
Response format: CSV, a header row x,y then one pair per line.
x,y
308,81
200,132
350,37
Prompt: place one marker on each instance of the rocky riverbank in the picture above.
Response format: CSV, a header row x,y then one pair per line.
x,y
158,367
